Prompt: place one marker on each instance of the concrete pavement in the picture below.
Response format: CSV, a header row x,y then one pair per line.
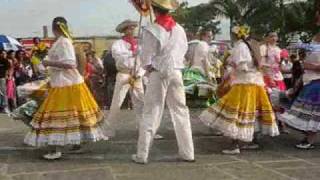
x,y
277,160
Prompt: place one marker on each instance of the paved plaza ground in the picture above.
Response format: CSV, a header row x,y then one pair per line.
x,y
277,160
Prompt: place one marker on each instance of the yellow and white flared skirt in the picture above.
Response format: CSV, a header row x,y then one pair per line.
x,y
68,116
244,110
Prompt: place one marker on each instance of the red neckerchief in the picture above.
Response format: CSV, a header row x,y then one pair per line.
x,y
166,21
132,41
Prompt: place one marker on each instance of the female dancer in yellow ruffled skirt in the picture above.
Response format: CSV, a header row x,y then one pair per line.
x,y
69,115
245,108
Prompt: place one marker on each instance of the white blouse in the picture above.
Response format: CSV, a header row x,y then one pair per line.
x,y
244,70
271,61
63,51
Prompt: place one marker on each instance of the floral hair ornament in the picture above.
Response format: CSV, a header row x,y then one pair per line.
x,y
241,31
63,27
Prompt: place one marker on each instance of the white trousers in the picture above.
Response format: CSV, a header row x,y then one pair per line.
x,y
121,89
159,92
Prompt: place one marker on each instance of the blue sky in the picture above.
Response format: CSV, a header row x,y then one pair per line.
x,y
21,18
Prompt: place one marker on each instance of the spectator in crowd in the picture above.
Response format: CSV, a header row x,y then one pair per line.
x,y
11,86
22,72
110,72
39,51
297,73
88,70
286,67
81,58
21,69
94,75
4,67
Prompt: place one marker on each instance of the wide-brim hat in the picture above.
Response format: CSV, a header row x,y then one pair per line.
x,y
166,4
125,24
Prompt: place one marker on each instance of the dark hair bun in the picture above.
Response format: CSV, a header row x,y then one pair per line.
x,y
60,19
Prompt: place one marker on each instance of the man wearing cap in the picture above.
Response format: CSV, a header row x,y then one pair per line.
x,y
164,46
129,73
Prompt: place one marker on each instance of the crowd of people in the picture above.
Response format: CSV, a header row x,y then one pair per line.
x,y
258,88
23,66
15,70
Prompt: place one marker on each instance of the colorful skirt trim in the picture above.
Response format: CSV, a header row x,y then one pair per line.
x,y
68,116
304,114
245,109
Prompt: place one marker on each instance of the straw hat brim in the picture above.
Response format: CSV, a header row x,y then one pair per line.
x,y
125,24
166,4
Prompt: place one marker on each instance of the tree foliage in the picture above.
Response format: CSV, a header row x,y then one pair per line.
x,y
255,13
297,17
300,19
196,17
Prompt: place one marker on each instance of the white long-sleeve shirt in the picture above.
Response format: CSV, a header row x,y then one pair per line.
x,y
164,50
121,52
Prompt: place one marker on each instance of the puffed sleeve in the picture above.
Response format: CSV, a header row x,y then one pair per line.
x,y
241,56
67,55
